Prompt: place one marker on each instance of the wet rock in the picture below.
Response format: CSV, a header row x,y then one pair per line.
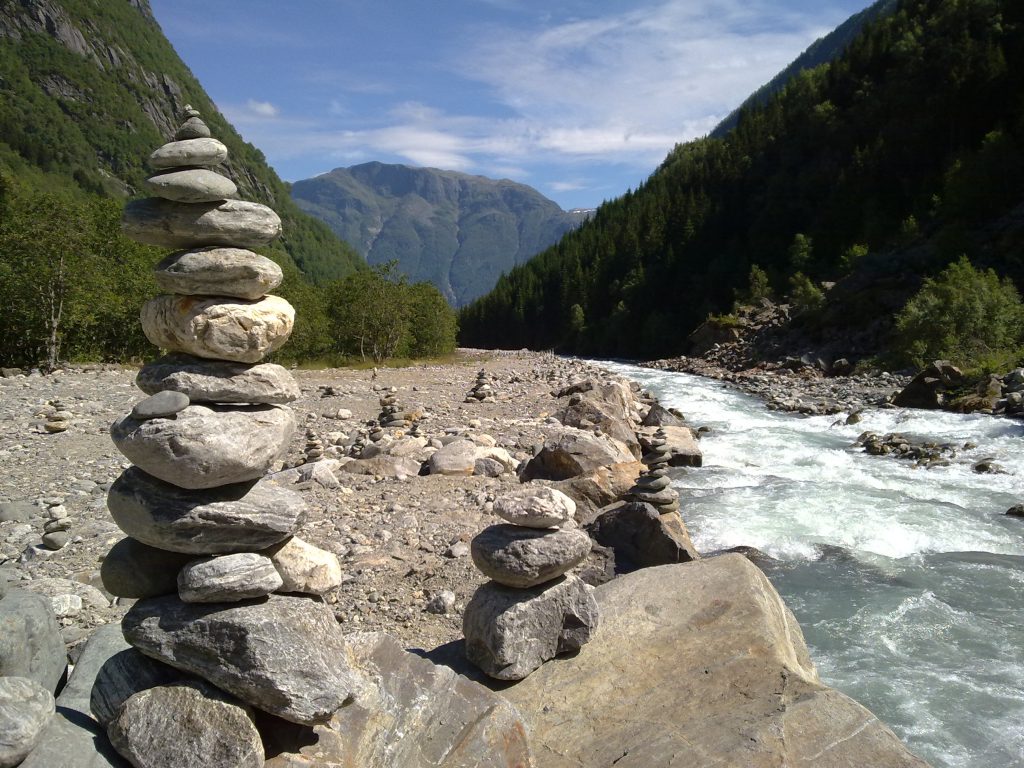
x,y
25,708
1017,510
218,381
218,272
525,557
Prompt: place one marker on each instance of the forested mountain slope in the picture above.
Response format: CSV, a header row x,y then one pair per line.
x,y
457,231
879,168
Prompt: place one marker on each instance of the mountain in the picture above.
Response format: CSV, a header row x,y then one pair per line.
x,y
88,88
456,231
821,51
875,170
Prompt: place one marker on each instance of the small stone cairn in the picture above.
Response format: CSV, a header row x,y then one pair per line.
x,y
211,545
482,391
391,415
58,417
532,609
654,486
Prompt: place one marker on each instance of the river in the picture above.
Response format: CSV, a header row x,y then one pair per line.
x,y
908,583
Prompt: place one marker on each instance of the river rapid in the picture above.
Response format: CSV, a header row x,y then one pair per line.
x,y
908,583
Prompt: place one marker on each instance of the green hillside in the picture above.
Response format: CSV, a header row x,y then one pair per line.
x,y
877,169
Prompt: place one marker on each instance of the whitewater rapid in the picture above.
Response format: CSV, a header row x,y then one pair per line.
x,y
908,582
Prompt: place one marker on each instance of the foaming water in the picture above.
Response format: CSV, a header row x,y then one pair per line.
x,y
907,582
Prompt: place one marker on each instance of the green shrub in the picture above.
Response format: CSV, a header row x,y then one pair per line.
x,y
804,295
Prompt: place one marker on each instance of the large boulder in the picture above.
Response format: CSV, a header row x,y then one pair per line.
x,y
25,709
598,489
206,446
641,537
30,641
456,458
284,655
697,664
575,453
682,447
124,674
609,408
218,381
927,389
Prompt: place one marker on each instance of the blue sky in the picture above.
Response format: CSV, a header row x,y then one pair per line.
x,y
581,100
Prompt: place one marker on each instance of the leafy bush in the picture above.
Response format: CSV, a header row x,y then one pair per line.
x,y
804,295
968,316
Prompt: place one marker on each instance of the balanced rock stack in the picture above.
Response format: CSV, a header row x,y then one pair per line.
x,y
482,391
654,486
211,538
532,609
391,416
58,417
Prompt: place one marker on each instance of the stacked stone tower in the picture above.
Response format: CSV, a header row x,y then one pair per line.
x,y
532,610
654,486
391,416
211,539
482,391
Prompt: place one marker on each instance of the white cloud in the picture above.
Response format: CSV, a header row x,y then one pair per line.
x,y
262,108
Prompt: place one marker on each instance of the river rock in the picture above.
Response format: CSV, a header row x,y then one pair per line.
x,y
305,568
206,446
186,726
30,641
682,447
193,128
535,506
456,458
228,578
641,537
168,224
928,388
660,416
511,632
125,673
284,655
160,406
223,329
573,453
132,569
697,664
191,185
526,557
408,712
198,151
229,518
25,708
218,272
217,381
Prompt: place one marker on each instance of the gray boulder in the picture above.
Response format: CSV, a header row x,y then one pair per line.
x,y
218,381
535,506
641,537
167,224
697,664
30,641
456,458
218,272
241,517
928,388
199,151
206,446
124,674
284,655
132,569
573,453
228,578
408,712
511,632
186,726
191,185
526,557
25,708
660,416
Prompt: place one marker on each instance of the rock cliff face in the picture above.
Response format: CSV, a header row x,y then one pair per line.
x,y
457,231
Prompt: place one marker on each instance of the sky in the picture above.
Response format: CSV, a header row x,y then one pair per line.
x,y
579,99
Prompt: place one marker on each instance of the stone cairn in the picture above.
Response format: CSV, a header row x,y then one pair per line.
x,y
391,416
58,417
482,391
532,609
211,545
654,486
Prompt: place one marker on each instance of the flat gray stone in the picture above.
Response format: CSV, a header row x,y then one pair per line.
x,y
218,272
25,709
167,224
535,506
228,578
284,655
198,151
525,557
219,328
205,446
191,185
161,405
122,675
132,569
193,128
186,726
230,518
511,632
218,381
30,641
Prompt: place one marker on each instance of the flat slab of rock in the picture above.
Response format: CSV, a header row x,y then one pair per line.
x,y
511,632
284,655
697,664
218,272
217,381
241,517
535,506
132,569
641,537
205,446
228,578
186,726
25,709
525,557
191,185
30,641
160,406
219,328
409,712
200,151
575,453
305,568
167,224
